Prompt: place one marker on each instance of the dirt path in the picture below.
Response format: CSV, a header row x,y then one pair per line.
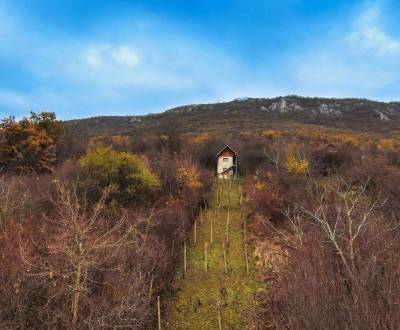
x,y
207,299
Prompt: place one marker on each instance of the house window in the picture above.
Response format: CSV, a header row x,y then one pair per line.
x,y
225,159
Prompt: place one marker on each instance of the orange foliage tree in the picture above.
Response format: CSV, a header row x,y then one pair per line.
x,y
188,175
29,144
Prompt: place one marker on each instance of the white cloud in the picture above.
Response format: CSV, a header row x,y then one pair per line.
x,y
106,55
94,56
367,33
125,55
360,60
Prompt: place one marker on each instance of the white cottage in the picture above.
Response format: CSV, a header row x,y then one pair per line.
x,y
227,163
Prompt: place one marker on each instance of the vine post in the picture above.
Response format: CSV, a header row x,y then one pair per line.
x,y
205,256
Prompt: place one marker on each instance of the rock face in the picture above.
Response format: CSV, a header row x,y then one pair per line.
x,y
283,105
382,116
286,105
349,109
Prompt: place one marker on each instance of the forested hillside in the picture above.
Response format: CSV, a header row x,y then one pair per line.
x,y
97,218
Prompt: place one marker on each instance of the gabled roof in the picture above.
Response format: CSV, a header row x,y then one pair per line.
x,y
227,147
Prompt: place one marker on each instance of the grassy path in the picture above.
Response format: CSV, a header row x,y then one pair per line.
x,y
214,299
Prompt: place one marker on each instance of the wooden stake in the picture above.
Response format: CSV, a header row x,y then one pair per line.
x,y
241,196
184,257
244,229
195,231
159,312
211,231
205,201
205,256
219,316
227,226
247,259
201,215
225,263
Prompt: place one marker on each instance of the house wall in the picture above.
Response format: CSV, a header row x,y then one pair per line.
x,y
221,164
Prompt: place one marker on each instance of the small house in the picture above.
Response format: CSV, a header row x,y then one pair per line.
x,y
227,163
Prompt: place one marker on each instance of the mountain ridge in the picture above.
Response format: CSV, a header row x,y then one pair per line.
x,y
252,114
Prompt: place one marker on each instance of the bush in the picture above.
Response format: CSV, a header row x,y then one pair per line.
x,y
295,164
125,174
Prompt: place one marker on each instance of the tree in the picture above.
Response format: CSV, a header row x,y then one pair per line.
x,y
29,144
125,174
82,267
187,175
296,164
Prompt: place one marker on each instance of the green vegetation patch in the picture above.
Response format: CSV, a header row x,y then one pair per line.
x,y
200,299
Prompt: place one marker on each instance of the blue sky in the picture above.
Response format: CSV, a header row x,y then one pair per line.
x,y
89,58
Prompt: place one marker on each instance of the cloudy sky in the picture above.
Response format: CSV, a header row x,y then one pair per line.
x,y
94,57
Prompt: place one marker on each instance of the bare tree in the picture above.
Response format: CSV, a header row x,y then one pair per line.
x,y
276,153
344,213
82,248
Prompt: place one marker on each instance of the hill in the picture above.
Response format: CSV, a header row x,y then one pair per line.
x,y
249,114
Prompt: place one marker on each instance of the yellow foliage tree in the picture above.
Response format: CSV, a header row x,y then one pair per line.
x,y
126,175
272,134
188,176
295,164
388,144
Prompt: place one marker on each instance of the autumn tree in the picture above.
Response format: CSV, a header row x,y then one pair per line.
x,y
125,174
296,163
29,144
188,175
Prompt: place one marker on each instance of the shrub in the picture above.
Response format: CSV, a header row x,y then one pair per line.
x,y
295,164
125,174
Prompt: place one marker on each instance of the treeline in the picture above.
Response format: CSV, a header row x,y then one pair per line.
x,y
325,214
89,242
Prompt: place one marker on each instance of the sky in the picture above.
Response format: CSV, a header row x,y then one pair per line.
x,y
92,58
